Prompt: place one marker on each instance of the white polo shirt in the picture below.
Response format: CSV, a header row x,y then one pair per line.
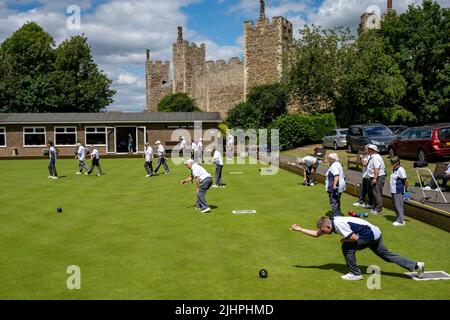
x,y
397,181
194,146
183,144
334,170
309,161
230,140
198,171
346,226
149,154
81,153
52,152
160,150
218,158
376,161
365,172
95,154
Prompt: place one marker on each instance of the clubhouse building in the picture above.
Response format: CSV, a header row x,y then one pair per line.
x,y
26,134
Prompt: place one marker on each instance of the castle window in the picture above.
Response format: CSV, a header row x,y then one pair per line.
x,y
164,82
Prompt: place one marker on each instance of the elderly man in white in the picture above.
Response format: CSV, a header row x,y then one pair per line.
x,y
161,154
335,183
203,181
376,170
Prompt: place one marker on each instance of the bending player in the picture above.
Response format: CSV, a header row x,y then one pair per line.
x,y
359,234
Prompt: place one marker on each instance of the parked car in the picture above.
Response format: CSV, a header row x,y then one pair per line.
x,y
374,133
335,139
397,129
424,143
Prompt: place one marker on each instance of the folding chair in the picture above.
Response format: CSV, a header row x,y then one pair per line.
x,y
426,173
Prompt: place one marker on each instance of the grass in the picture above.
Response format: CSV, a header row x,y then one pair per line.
x,y
138,238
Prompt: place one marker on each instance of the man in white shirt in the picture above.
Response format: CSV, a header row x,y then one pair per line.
x,y
309,164
203,181
200,151
444,176
218,162
183,147
194,150
52,154
398,187
359,234
366,186
161,154
377,173
148,160
230,146
81,155
95,158
335,183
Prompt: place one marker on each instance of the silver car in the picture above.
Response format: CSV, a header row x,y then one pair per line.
x,y
335,139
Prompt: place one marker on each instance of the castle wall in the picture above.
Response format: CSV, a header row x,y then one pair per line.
x,y
188,59
219,86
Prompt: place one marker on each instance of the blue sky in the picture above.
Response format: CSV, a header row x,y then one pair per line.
x,y
120,31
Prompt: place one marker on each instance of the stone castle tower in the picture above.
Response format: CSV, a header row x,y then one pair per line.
x,y
372,20
217,85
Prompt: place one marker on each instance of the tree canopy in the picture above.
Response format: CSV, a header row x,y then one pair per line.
x,y
177,102
37,77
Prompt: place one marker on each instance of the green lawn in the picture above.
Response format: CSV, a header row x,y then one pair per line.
x,y
138,238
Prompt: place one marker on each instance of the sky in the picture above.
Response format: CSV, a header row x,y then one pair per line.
x,y
120,31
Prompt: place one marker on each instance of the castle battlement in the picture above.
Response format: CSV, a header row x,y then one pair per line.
x,y
222,63
275,22
158,62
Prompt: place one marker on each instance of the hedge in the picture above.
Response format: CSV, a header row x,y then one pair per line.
x,y
300,129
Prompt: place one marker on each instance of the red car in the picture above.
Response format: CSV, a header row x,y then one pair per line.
x,y
423,143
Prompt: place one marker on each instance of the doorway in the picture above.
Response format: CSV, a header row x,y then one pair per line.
x,y
122,139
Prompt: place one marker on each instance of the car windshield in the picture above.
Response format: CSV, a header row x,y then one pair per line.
x,y
378,131
343,131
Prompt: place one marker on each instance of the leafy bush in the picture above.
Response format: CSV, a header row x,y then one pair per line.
x,y
177,102
299,129
243,116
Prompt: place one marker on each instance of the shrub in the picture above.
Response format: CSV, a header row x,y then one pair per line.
x,y
299,129
177,102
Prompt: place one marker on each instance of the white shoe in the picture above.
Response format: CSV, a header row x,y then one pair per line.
x,y
368,206
375,213
167,172
398,224
420,269
358,204
206,210
351,277
427,188
50,177
55,178
311,184
78,172
147,176
214,186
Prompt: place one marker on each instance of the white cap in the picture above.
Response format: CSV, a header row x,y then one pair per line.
x,y
189,161
158,142
373,147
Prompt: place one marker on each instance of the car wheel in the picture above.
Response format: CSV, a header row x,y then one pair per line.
x,y
422,155
391,153
349,149
335,146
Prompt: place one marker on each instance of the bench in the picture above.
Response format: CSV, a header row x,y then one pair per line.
x,y
355,161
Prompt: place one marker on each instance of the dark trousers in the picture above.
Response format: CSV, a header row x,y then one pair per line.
x,y
148,167
52,168
335,202
443,176
95,163
366,191
218,174
162,161
82,165
203,187
377,191
310,174
377,246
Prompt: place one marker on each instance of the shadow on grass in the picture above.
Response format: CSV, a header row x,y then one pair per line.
x,y
343,269
394,218
194,206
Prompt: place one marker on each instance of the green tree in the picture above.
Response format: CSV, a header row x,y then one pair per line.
x,y
269,101
36,77
371,85
419,41
315,67
177,102
243,116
